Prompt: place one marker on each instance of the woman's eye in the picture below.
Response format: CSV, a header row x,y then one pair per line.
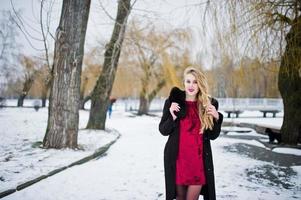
x,y
195,82
187,81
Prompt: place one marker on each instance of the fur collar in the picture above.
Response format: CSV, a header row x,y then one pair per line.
x,y
178,96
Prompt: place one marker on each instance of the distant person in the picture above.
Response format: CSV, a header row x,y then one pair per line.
x,y
110,108
190,120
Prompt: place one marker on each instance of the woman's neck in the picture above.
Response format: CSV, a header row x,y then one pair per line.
x,y
190,98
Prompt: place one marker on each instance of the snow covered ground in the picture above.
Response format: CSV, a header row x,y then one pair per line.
x,y
133,167
21,159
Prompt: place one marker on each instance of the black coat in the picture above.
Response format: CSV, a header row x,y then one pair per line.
x,y
169,127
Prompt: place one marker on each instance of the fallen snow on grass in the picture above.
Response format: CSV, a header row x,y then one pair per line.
x,y
22,159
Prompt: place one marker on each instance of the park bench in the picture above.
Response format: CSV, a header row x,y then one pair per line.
x,y
274,112
236,112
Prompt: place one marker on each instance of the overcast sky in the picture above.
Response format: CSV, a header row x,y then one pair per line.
x,y
165,13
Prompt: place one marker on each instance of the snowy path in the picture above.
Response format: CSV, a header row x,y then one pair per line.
x,y
133,169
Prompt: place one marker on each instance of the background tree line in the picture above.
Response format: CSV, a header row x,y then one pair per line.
x,y
247,78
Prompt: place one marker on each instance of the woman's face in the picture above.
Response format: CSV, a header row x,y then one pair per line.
x,y
191,86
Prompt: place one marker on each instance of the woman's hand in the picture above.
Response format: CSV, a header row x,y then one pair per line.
x,y
174,107
210,109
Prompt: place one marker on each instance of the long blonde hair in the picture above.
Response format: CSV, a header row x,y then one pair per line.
x,y
203,97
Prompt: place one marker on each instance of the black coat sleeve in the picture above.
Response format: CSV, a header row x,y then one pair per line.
x,y
217,124
167,124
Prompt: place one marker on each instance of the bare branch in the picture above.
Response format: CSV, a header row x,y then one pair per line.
x,y
106,12
22,29
282,18
43,35
21,22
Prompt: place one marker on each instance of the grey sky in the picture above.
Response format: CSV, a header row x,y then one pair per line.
x,y
165,13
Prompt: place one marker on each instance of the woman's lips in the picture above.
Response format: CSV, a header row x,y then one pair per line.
x,y
190,90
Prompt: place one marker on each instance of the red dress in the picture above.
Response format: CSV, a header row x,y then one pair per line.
x,y
190,165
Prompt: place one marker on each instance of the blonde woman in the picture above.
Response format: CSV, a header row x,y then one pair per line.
x,y
190,120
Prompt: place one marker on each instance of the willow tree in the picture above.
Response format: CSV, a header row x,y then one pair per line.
x,y
29,74
90,74
289,80
270,30
63,115
153,49
102,90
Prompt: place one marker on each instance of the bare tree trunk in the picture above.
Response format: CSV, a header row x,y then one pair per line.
x,y
102,90
44,98
26,87
146,99
46,91
144,104
21,99
289,83
62,127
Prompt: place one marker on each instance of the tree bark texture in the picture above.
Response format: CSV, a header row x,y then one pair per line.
x,y
102,90
26,87
63,115
45,92
289,83
146,98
